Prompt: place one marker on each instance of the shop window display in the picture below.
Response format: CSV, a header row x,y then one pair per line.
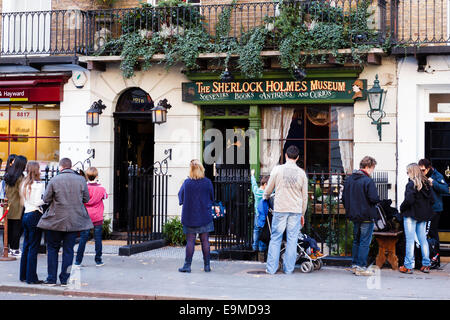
x,y
323,134
30,130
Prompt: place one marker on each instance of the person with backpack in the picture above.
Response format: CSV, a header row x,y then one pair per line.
x,y
416,210
360,196
13,179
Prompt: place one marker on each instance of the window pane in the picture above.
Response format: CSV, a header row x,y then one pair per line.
x,y
48,121
341,156
23,146
23,121
4,121
297,128
3,150
341,122
48,150
317,156
318,122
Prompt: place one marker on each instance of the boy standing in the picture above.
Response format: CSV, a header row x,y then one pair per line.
x,y
258,194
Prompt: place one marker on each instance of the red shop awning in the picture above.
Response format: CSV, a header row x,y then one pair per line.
x,y
32,90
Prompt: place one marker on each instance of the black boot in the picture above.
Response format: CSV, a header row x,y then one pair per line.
x,y
186,267
207,265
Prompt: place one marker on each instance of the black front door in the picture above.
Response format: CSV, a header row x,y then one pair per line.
x,y
437,150
134,145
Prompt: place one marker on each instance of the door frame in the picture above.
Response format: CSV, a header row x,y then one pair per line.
x,y
122,116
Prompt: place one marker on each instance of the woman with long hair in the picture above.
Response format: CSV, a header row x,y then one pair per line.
x,y
9,163
13,179
416,210
196,196
31,192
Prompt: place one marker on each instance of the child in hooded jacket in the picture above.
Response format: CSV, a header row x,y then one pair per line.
x,y
95,209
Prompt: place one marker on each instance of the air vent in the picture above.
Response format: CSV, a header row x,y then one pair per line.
x,y
239,111
214,111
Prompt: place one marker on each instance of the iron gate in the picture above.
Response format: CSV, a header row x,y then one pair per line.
x,y
147,201
235,230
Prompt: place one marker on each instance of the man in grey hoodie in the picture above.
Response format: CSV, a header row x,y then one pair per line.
x,y
291,199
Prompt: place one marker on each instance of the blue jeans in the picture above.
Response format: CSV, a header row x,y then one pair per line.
x,y
282,221
84,235
257,244
362,236
413,228
31,242
54,239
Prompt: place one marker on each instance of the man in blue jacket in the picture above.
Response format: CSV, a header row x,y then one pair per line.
x,y
440,187
359,198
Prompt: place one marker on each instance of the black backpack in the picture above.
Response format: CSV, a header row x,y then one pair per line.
x,y
381,221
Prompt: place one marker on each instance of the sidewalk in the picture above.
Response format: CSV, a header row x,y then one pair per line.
x,y
154,275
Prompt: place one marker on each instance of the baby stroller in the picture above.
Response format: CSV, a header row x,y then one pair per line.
x,y
307,264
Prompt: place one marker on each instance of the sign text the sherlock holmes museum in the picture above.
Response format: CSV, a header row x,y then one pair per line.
x,y
267,91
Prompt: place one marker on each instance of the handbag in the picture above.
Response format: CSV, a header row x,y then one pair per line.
x,y
218,210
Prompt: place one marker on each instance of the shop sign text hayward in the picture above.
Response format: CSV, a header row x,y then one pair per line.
x,y
269,91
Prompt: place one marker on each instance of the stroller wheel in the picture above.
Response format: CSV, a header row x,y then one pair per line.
x,y
306,267
318,264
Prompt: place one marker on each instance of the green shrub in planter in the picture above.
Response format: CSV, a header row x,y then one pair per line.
x,y
173,232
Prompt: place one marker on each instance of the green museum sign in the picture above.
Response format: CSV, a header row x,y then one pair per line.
x,y
275,91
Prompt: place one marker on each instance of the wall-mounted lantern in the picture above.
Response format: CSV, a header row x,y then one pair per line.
x,y
159,113
377,96
93,114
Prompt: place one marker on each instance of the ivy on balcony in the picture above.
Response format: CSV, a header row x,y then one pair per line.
x,y
302,31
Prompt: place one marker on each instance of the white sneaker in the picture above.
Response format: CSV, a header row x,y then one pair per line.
x,y
16,253
364,272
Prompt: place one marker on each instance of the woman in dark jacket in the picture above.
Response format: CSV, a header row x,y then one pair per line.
x,y
416,210
13,179
196,195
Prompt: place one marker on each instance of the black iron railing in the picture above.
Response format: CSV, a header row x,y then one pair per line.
x,y
86,32
147,204
324,220
418,23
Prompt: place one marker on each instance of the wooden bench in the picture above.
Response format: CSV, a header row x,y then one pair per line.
x,y
386,248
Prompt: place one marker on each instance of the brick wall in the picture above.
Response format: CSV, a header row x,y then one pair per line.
x,y
424,20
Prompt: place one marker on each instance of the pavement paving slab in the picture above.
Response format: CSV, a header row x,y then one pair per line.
x,y
154,275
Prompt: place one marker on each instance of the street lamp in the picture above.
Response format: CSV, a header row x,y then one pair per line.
x,y
159,113
93,114
377,97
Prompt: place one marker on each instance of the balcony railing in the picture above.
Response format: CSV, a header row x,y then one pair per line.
x,y
85,32
76,32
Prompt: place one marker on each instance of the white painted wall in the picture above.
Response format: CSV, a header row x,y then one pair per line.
x,y
413,108
366,140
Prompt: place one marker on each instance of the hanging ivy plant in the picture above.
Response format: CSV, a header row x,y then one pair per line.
x,y
250,61
302,32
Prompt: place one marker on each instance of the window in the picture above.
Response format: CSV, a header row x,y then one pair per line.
x,y
31,131
323,134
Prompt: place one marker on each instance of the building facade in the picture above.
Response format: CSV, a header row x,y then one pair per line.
x,y
325,114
